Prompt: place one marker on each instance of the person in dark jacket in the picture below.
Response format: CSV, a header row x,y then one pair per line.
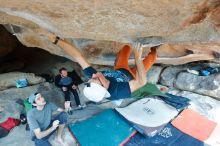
x,y
68,82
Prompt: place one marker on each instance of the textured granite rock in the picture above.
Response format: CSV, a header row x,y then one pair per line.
x,y
205,85
188,29
8,80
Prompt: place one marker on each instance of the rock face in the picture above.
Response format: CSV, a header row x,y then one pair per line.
x,y
189,29
7,43
9,79
179,78
153,75
203,85
169,75
118,20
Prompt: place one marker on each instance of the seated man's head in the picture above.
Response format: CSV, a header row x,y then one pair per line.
x,y
63,72
37,99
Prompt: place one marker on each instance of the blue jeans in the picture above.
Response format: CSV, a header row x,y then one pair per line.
x,y
62,117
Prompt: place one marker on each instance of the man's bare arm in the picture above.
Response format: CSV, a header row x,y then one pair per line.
x,y
69,49
141,78
138,49
41,134
103,80
74,52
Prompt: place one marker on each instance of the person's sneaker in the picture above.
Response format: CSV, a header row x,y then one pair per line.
x,y
70,111
83,106
79,107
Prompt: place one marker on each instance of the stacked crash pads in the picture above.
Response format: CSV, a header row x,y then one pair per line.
x,y
188,128
198,127
148,115
168,136
151,116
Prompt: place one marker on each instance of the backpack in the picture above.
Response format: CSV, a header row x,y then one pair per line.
x,y
10,123
20,83
27,105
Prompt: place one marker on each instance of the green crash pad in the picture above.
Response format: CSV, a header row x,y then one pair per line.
x,y
147,90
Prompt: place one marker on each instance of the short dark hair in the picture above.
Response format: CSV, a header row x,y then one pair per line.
x,y
34,100
87,84
63,68
36,93
35,97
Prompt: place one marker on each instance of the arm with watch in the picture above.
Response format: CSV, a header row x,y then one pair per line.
x,y
69,49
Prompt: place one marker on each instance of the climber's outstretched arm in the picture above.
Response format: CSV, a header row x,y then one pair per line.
x,y
138,49
74,52
69,49
141,78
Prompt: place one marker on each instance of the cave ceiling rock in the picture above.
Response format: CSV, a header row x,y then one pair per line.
x,y
188,29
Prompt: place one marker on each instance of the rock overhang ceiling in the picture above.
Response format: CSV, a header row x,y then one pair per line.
x,y
188,29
